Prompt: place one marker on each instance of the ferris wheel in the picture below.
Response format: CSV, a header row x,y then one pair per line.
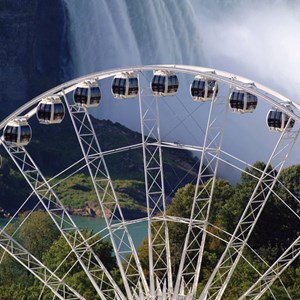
x,y
162,106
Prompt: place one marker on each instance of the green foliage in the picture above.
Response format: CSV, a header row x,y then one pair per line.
x,y
223,193
10,270
132,188
75,191
20,291
38,235
60,249
180,207
78,190
276,228
54,258
182,202
12,187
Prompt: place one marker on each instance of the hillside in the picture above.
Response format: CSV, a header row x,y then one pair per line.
x,y
56,147
35,54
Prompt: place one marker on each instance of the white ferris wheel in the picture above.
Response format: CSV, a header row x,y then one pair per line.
x,y
148,88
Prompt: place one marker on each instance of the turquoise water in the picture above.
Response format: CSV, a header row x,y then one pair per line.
x,y
138,231
3,222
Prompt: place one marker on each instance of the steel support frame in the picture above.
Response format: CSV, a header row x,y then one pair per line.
x,y
245,259
187,69
222,273
59,288
61,218
273,272
120,237
160,271
193,248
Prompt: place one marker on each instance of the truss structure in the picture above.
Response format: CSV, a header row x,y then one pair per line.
x,y
96,271
158,236
191,260
158,278
122,242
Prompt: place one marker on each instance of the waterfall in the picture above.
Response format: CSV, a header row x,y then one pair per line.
x,y
101,36
109,34
255,39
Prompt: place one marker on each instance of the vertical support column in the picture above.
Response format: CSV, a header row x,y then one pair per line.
x,y
158,236
192,254
124,249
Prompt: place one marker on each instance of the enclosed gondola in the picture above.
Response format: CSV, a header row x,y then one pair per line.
x,y
164,83
87,94
50,110
277,120
242,102
17,132
125,86
203,89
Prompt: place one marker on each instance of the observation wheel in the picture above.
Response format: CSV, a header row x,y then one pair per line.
x,y
193,128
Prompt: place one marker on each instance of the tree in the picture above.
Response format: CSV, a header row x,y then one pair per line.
x,y
37,233
181,207
12,187
76,277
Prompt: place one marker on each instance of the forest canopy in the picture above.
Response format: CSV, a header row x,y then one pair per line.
x,y
276,229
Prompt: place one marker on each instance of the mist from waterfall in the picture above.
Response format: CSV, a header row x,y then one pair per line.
x,y
255,39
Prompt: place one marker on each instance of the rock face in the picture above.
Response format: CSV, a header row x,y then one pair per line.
x,y
91,209
34,50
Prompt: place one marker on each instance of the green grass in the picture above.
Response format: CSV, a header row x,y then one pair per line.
x,y
76,191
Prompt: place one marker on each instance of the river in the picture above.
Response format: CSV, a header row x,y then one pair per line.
x,y
138,230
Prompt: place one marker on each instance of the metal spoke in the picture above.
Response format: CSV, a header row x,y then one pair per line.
x,y
107,198
273,272
161,275
61,218
59,288
192,254
158,234
222,273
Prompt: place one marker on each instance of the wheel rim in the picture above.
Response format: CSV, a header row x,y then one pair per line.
x,y
161,281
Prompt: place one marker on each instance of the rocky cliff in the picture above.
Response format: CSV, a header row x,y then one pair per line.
x,y
34,50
